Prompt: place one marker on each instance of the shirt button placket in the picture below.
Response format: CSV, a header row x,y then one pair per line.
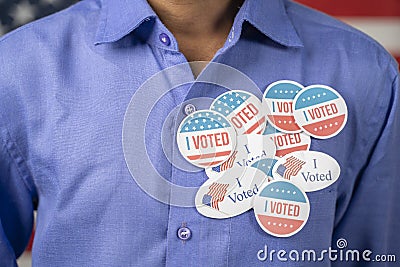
x,y
184,233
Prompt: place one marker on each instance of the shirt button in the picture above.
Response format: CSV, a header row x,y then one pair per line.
x,y
189,109
184,233
164,38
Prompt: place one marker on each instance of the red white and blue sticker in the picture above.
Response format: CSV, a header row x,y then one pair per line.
x,y
277,101
230,195
249,149
320,111
206,139
242,109
281,208
286,143
310,170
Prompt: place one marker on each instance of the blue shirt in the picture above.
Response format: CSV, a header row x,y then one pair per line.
x,y
66,82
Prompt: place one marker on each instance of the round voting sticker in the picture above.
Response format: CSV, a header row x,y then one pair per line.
x,y
242,109
249,149
230,195
277,101
281,208
320,111
206,139
288,142
310,170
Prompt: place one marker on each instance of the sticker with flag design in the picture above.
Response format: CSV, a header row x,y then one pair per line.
x,y
230,195
286,143
249,149
243,110
320,111
277,101
206,139
281,209
310,170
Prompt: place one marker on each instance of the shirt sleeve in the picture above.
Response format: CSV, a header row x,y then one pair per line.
x,y
16,203
372,220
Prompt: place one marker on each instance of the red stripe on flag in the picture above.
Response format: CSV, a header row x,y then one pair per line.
x,y
356,7
398,59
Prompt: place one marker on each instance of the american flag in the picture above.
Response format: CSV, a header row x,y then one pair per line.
x,y
379,19
215,195
227,164
290,168
15,13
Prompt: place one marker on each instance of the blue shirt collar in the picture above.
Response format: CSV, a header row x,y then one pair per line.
x,y
120,17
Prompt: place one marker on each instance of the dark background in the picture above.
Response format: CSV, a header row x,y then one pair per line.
x,y
14,13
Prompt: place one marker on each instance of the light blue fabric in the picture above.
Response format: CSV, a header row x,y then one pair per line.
x,y
66,81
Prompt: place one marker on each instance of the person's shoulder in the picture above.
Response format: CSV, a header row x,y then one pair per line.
x,y
321,32
79,19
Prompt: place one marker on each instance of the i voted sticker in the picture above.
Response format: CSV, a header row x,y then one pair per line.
x,y
320,111
286,143
242,109
310,170
281,208
278,100
230,195
249,149
206,139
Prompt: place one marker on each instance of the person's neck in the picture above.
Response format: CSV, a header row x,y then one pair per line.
x,y
200,26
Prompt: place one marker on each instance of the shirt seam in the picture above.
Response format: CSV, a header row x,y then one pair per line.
x,y
10,146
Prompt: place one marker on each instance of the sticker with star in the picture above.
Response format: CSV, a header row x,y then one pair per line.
x,y
320,111
281,208
230,195
242,109
277,100
206,139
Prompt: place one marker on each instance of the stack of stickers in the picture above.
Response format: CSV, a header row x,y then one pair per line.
x,y
256,153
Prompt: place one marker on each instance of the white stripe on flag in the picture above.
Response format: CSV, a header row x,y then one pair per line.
x,y
386,30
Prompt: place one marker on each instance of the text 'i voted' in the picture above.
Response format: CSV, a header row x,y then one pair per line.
x,y
205,138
